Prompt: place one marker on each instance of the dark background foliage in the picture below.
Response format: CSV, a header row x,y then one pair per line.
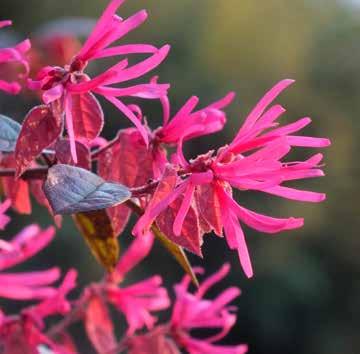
x,y
305,296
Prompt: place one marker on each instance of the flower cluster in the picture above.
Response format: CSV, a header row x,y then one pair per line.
x,y
58,155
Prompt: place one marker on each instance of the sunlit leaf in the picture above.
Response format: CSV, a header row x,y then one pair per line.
x,y
88,117
72,190
129,162
63,153
9,132
40,129
95,227
98,325
177,252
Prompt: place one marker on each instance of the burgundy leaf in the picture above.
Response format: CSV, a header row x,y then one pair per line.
x,y
99,326
66,343
63,154
128,162
191,233
88,117
40,129
209,207
154,342
36,189
16,190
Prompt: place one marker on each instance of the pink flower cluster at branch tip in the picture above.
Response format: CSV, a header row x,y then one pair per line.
x,y
68,83
252,161
137,301
30,285
15,55
192,311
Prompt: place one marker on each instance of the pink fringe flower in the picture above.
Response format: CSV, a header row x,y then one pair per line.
x,y
24,333
251,162
137,301
30,285
14,55
69,82
192,311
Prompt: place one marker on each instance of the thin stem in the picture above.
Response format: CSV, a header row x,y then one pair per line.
x,y
32,173
96,153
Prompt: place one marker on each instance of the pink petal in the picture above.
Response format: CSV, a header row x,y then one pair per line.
x,y
296,194
184,208
31,278
130,115
70,126
262,104
53,94
105,18
141,68
304,141
126,49
138,250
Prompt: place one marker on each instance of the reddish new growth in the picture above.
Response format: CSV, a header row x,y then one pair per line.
x,y
176,199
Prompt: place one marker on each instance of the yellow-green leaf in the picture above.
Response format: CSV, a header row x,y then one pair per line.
x,y
177,252
95,226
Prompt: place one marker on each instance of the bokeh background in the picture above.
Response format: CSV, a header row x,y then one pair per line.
x,y
305,296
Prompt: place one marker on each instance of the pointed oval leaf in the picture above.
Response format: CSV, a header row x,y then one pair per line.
x,y
129,162
99,326
88,116
16,190
63,154
40,129
72,190
95,227
209,207
177,252
9,132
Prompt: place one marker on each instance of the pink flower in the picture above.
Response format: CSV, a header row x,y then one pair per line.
x,y
137,301
24,333
4,219
29,285
251,162
14,55
70,82
192,311
185,125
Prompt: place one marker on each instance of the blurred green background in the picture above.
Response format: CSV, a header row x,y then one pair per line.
x,y
305,296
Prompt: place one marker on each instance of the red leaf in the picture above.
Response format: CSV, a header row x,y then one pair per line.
x,y
128,162
66,343
40,129
99,327
191,233
39,195
88,116
16,190
209,207
63,154
153,343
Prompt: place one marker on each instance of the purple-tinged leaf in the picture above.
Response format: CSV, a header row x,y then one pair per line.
x,y
128,162
209,207
9,132
40,129
63,154
88,117
72,190
16,190
99,326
